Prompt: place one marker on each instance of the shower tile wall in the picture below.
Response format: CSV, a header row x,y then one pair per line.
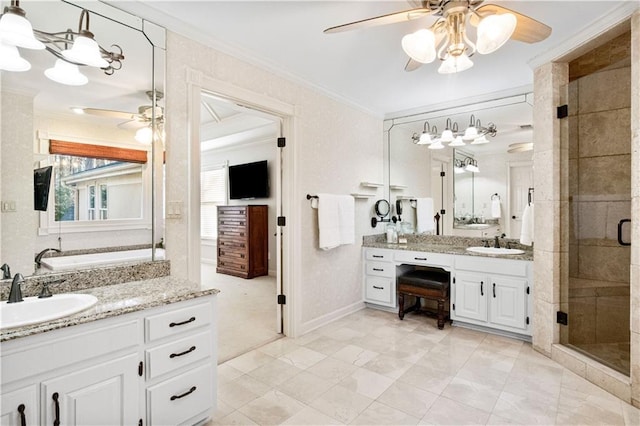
x,y
600,190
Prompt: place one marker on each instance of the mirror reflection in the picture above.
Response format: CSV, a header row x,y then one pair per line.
x,y
98,126
478,181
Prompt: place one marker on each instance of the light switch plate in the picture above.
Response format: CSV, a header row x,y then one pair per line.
x,y
8,206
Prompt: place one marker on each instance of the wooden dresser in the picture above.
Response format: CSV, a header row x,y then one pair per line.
x,y
243,243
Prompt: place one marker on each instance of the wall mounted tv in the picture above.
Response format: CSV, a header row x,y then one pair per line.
x,y
250,180
41,185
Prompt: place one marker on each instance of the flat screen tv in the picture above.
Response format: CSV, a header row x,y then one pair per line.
x,y
41,185
250,180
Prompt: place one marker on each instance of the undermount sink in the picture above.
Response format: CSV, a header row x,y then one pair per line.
x,y
33,310
494,250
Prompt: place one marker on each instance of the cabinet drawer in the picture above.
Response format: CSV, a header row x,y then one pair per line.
x,y
234,211
380,269
177,321
378,255
233,234
233,254
423,258
177,400
233,264
171,356
232,244
516,268
380,290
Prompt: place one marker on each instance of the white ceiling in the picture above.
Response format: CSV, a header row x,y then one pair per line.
x,y
364,67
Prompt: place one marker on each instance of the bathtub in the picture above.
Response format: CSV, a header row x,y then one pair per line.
x,y
78,261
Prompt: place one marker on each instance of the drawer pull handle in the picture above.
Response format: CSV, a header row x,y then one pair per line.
x,y
378,269
378,288
494,290
420,258
191,349
23,419
481,288
377,256
56,420
174,324
190,391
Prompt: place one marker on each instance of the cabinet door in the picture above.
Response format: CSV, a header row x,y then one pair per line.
x,y
508,302
471,296
18,405
105,394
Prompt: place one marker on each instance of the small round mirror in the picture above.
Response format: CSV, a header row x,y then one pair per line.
x,y
382,208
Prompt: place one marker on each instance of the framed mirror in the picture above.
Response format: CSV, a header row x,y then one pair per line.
x,y
91,132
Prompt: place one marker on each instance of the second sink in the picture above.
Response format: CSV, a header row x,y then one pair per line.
x,y
34,310
494,250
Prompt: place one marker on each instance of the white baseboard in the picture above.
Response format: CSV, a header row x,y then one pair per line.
x,y
330,317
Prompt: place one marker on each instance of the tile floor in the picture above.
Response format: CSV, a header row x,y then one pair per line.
x,y
371,368
246,311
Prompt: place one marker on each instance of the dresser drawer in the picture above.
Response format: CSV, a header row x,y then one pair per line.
x,y
233,234
229,212
423,258
380,269
177,400
177,321
232,244
379,255
232,254
230,263
164,358
380,290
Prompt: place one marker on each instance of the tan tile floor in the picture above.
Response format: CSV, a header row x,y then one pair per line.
x,y
371,368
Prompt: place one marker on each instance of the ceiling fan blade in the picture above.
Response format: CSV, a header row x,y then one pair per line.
x,y
528,30
122,115
391,18
412,65
134,124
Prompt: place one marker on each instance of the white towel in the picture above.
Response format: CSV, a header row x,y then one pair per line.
x,y
496,208
424,215
336,220
526,231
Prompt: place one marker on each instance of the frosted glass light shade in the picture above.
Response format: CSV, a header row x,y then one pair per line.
x,y
436,145
65,73
17,30
420,46
425,139
470,134
457,142
472,168
85,50
10,59
144,135
479,141
455,64
494,31
447,136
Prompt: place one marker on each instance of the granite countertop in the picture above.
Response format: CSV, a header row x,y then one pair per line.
x,y
446,245
119,299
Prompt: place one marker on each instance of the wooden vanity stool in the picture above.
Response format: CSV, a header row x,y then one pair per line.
x,y
427,284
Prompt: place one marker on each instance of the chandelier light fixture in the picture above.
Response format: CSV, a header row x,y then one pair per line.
x,y
475,134
72,49
447,39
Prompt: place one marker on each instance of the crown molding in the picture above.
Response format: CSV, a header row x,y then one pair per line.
x,y
591,31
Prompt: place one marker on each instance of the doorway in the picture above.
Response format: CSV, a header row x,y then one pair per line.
x,y
233,140
520,182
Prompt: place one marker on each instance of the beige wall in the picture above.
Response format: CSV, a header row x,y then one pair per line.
x,y
335,148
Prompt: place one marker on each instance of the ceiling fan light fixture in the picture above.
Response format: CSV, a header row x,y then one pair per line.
x,y
16,30
494,31
85,50
454,64
420,46
65,73
144,135
10,59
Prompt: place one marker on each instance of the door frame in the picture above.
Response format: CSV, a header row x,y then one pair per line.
x,y
197,82
507,216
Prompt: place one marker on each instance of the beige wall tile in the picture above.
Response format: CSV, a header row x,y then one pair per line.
x,y
547,225
546,178
617,210
573,98
635,298
605,133
635,222
546,269
573,260
635,368
605,175
545,330
569,359
592,220
582,320
574,124
598,93
612,319
604,263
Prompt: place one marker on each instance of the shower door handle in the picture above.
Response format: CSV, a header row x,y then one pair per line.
x,y
622,222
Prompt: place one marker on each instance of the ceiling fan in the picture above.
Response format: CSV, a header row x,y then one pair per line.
x,y
133,120
447,38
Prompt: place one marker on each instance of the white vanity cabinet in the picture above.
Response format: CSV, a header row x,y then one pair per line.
x,y
155,366
492,292
379,277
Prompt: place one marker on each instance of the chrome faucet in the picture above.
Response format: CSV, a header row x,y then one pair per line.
x,y
496,242
38,258
15,295
6,272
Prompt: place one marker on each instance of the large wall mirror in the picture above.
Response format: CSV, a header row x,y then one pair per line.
x,y
478,189
91,135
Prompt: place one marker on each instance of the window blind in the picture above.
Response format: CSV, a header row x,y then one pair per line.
x,y
213,192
